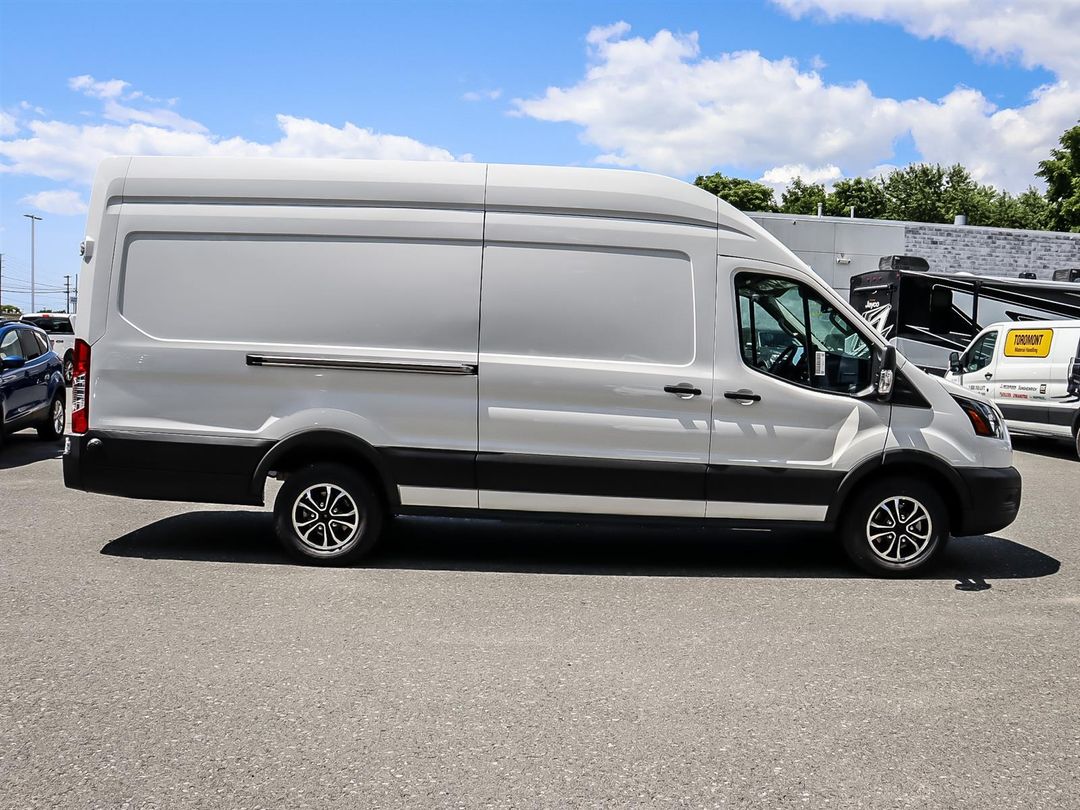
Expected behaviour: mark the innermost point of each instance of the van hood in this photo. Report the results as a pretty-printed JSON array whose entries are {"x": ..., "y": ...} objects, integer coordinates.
[
  {"x": 967, "y": 393},
  {"x": 950, "y": 388}
]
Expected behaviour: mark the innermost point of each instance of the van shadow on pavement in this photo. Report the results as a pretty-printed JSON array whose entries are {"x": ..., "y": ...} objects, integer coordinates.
[
  {"x": 1044, "y": 446},
  {"x": 20, "y": 449},
  {"x": 543, "y": 548}
]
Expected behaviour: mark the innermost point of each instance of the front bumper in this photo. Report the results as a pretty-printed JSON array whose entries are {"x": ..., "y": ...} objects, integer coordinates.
[{"x": 992, "y": 502}]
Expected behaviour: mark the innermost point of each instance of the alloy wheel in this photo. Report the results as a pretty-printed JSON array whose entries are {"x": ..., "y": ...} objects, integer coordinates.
[
  {"x": 58, "y": 417},
  {"x": 899, "y": 529},
  {"x": 325, "y": 518}
]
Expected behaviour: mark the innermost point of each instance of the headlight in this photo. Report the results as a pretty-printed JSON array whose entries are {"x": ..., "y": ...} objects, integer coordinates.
[{"x": 983, "y": 416}]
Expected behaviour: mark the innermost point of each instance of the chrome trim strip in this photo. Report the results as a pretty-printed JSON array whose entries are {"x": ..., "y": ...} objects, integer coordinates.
[
  {"x": 589, "y": 504},
  {"x": 742, "y": 510},
  {"x": 296, "y": 361},
  {"x": 438, "y": 496}
]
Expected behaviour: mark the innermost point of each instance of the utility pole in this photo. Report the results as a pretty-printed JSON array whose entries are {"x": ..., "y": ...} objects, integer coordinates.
[
  {"x": 1, "y": 285},
  {"x": 33, "y": 221},
  {"x": 67, "y": 293}
]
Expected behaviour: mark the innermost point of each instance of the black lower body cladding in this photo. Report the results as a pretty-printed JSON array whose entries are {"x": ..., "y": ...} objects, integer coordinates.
[
  {"x": 173, "y": 468},
  {"x": 230, "y": 471}
]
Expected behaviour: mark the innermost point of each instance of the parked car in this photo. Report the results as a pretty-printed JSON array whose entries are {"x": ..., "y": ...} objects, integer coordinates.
[
  {"x": 61, "y": 332},
  {"x": 461, "y": 339},
  {"x": 31, "y": 383},
  {"x": 1031, "y": 371}
]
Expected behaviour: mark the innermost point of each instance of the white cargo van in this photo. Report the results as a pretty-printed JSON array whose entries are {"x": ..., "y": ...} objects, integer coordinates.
[
  {"x": 1031, "y": 370},
  {"x": 462, "y": 339}
]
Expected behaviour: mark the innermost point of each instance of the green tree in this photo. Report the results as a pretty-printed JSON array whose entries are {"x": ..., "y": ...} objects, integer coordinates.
[
  {"x": 801, "y": 197},
  {"x": 1029, "y": 210},
  {"x": 914, "y": 193},
  {"x": 867, "y": 195},
  {"x": 925, "y": 192},
  {"x": 1061, "y": 171},
  {"x": 746, "y": 195},
  {"x": 10, "y": 309},
  {"x": 963, "y": 195}
]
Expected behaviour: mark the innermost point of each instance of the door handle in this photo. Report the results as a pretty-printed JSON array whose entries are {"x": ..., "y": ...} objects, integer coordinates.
[
  {"x": 683, "y": 390},
  {"x": 743, "y": 397},
  {"x": 988, "y": 375}
]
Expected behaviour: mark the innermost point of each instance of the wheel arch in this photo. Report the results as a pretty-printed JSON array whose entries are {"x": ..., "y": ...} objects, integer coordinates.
[
  {"x": 325, "y": 445},
  {"x": 914, "y": 463}
]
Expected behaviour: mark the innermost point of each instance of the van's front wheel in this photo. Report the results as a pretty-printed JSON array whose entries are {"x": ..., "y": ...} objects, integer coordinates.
[
  {"x": 327, "y": 514},
  {"x": 894, "y": 526}
]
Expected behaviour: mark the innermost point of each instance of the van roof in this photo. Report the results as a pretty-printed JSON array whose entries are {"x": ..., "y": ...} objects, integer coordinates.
[
  {"x": 1062, "y": 324},
  {"x": 497, "y": 187}
]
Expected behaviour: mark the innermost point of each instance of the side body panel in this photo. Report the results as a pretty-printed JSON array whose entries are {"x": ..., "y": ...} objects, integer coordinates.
[
  {"x": 208, "y": 298},
  {"x": 783, "y": 456},
  {"x": 943, "y": 430},
  {"x": 584, "y": 322}
]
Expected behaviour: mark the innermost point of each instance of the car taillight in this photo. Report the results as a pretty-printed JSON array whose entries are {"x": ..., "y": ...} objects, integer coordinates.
[{"x": 80, "y": 387}]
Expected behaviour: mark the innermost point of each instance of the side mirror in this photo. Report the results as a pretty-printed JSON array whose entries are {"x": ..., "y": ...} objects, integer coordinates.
[
  {"x": 885, "y": 373},
  {"x": 954, "y": 363},
  {"x": 13, "y": 362}
]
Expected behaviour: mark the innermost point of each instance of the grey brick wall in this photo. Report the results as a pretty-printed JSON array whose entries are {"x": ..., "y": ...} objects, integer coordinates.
[{"x": 993, "y": 251}]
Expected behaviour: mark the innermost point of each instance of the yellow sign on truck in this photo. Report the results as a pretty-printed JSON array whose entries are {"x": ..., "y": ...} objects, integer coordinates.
[{"x": 1028, "y": 342}]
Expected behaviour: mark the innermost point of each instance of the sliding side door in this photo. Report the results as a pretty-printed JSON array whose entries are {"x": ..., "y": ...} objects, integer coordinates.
[{"x": 595, "y": 375}]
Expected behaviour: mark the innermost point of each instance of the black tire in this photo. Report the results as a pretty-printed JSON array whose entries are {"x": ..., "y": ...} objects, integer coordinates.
[
  {"x": 55, "y": 420},
  {"x": 914, "y": 546},
  {"x": 69, "y": 369},
  {"x": 317, "y": 492}
]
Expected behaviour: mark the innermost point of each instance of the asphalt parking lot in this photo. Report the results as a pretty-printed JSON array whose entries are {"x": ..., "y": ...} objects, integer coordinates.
[{"x": 164, "y": 655}]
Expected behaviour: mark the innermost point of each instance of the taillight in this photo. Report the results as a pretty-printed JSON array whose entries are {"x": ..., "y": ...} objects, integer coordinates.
[{"x": 80, "y": 387}]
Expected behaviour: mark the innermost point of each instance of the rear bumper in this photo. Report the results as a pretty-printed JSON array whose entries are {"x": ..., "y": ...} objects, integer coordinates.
[
  {"x": 993, "y": 499},
  {"x": 172, "y": 468}
]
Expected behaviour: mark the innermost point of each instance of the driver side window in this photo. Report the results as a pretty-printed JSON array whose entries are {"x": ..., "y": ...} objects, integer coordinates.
[
  {"x": 10, "y": 346},
  {"x": 980, "y": 354},
  {"x": 787, "y": 330}
]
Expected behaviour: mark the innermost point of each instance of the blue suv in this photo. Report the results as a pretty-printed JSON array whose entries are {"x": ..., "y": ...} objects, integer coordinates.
[{"x": 31, "y": 383}]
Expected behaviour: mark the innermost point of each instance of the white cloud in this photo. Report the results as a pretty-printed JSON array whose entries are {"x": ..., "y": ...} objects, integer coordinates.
[
  {"x": 778, "y": 177},
  {"x": 8, "y": 124},
  {"x": 64, "y": 202},
  {"x": 659, "y": 104},
  {"x": 70, "y": 152},
  {"x": 167, "y": 119},
  {"x": 602, "y": 33},
  {"x": 482, "y": 95},
  {"x": 89, "y": 86},
  {"x": 1038, "y": 32}
]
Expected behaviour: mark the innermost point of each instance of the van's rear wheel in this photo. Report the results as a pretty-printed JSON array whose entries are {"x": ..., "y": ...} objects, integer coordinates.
[
  {"x": 327, "y": 514},
  {"x": 894, "y": 526}
]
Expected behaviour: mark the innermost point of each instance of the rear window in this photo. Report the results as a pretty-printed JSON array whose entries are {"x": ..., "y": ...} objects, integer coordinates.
[
  {"x": 31, "y": 346},
  {"x": 55, "y": 326}
]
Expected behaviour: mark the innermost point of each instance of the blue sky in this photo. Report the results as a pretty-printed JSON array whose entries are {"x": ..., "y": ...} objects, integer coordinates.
[{"x": 765, "y": 89}]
